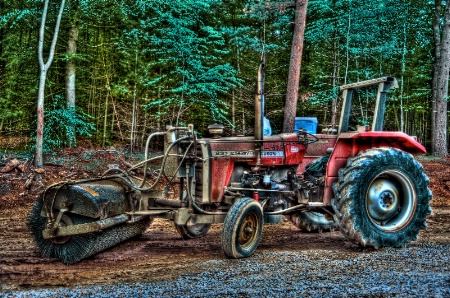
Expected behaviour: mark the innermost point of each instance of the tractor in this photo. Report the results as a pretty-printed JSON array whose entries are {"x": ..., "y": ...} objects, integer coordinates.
[{"x": 366, "y": 183}]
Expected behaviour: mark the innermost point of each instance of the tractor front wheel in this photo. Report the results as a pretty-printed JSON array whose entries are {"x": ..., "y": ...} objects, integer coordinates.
[
  {"x": 382, "y": 198},
  {"x": 242, "y": 228}
]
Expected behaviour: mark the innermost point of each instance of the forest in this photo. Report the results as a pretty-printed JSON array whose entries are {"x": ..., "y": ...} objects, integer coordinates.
[{"x": 120, "y": 69}]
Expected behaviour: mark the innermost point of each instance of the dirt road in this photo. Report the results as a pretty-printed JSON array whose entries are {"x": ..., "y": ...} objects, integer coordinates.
[{"x": 159, "y": 254}]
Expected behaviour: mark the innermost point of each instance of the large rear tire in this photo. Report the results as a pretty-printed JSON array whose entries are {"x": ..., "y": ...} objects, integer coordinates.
[
  {"x": 72, "y": 249},
  {"x": 194, "y": 231},
  {"x": 382, "y": 198},
  {"x": 242, "y": 228}
]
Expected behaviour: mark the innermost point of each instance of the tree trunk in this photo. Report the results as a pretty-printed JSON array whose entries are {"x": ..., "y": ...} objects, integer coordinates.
[
  {"x": 290, "y": 109},
  {"x": 440, "y": 81},
  {"x": 39, "y": 161},
  {"x": 2, "y": 32},
  {"x": 402, "y": 79},
  {"x": 333, "y": 84},
  {"x": 105, "y": 120},
  {"x": 2, "y": 64},
  {"x": 133, "y": 114},
  {"x": 70, "y": 83}
]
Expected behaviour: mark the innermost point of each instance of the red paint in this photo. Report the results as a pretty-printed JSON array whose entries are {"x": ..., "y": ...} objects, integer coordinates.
[
  {"x": 351, "y": 143},
  {"x": 256, "y": 196},
  {"x": 278, "y": 150},
  {"x": 285, "y": 150},
  {"x": 293, "y": 150},
  {"x": 221, "y": 170}
]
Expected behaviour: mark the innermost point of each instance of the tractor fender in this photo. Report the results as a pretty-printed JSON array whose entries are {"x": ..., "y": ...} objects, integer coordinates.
[
  {"x": 349, "y": 144},
  {"x": 101, "y": 199}
]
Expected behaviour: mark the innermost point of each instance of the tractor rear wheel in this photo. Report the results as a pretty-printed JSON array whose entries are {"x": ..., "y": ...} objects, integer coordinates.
[
  {"x": 382, "y": 198},
  {"x": 193, "y": 231},
  {"x": 312, "y": 222},
  {"x": 242, "y": 228}
]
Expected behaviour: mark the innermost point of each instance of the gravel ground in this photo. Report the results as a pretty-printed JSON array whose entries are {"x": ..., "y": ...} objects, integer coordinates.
[{"x": 420, "y": 270}]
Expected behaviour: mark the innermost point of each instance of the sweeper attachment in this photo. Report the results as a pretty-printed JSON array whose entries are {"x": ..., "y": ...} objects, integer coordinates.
[{"x": 366, "y": 183}]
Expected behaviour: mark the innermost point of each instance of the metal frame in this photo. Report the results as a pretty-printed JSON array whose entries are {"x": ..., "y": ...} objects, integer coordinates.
[{"x": 384, "y": 85}]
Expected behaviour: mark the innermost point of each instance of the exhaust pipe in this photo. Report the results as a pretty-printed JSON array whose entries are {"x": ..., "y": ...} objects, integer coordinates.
[
  {"x": 259, "y": 103},
  {"x": 259, "y": 111}
]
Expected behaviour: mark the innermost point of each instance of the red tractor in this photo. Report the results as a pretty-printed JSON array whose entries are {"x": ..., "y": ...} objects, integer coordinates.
[{"x": 365, "y": 182}]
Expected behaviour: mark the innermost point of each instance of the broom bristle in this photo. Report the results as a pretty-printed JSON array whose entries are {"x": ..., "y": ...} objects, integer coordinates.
[{"x": 79, "y": 247}]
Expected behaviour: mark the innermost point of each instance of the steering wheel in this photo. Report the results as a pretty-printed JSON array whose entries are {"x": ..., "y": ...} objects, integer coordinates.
[{"x": 309, "y": 138}]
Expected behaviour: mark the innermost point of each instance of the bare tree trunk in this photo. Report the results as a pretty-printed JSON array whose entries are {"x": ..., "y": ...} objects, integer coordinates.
[
  {"x": 133, "y": 114},
  {"x": 440, "y": 81},
  {"x": 39, "y": 161},
  {"x": 105, "y": 119},
  {"x": 290, "y": 108},
  {"x": 402, "y": 80},
  {"x": 2, "y": 62},
  {"x": 233, "y": 112},
  {"x": 70, "y": 82},
  {"x": 334, "y": 80},
  {"x": 347, "y": 52}
]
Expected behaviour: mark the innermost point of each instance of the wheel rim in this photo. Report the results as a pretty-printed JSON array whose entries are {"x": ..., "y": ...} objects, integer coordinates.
[
  {"x": 391, "y": 201},
  {"x": 248, "y": 231}
]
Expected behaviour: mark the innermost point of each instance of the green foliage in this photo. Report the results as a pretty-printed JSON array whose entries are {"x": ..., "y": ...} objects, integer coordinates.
[
  {"x": 194, "y": 61},
  {"x": 189, "y": 66},
  {"x": 59, "y": 122}
]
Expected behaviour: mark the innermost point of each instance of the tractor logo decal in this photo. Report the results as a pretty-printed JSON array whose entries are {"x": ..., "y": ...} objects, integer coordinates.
[
  {"x": 233, "y": 153},
  {"x": 272, "y": 154},
  {"x": 247, "y": 153}
]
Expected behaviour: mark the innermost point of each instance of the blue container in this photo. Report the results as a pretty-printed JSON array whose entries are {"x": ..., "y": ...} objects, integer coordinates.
[{"x": 308, "y": 123}]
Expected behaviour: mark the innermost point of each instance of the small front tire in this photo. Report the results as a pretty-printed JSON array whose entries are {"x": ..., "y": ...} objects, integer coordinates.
[{"x": 242, "y": 228}]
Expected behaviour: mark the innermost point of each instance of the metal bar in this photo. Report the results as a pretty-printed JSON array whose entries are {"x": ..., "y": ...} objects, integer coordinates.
[
  {"x": 367, "y": 83},
  {"x": 206, "y": 218},
  {"x": 248, "y": 141},
  {"x": 258, "y": 189},
  {"x": 85, "y": 228},
  {"x": 171, "y": 203},
  {"x": 153, "y": 211},
  {"x": 380, "y": 106},
  {"x": 345, "y": 113}
]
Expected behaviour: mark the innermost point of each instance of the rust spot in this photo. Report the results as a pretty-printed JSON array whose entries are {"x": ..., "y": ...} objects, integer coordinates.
[{"x": 89, "y": 190}]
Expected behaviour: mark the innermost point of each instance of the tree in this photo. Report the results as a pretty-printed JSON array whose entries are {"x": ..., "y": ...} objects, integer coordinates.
[
  {"x": 188, "y": 45},
  {"x": 70, "y": 74},
  {"x": 290, "y": 108},
  {"x": 44, "y": 66},
  {"x": 182, "y": 49},
  {"x": 439, "y": 118}
]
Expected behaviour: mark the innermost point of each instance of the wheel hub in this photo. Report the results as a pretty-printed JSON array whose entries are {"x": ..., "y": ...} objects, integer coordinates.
[
  {"x": 383, "y": 200},
  {"x": 390, "y": 201},
  {"x": 248, "y": 230}
]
